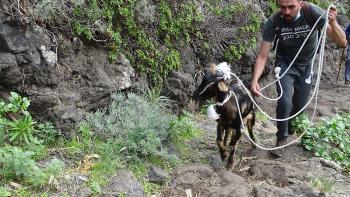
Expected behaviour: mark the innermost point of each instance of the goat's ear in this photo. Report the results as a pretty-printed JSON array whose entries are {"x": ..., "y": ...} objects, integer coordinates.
[
  {"x": 212, "y": 69},
  {"x": 222, "y": 86}
]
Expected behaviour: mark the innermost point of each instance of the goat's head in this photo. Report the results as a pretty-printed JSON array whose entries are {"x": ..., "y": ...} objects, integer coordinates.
[{"x": 213, "y": 82}]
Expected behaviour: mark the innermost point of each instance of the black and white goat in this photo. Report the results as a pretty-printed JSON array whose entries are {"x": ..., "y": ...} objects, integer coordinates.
[{"x": 214, "y": 85}]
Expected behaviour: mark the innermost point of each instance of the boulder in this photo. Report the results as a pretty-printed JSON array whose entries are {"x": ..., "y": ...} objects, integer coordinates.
[{"x": 123, "y": 183}]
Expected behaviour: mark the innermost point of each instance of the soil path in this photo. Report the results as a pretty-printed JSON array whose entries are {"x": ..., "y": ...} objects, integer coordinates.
[{"x": 256, "y": 172}]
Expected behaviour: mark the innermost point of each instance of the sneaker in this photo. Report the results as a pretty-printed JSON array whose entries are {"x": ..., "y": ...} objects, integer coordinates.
[
  {"x": 278, "y": 152},
  {"x": 347, "y": 82}
]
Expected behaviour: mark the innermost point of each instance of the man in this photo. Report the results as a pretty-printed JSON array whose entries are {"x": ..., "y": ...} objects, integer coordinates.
[
  {"x": 347, "y": 64},
  {"x": 293, "y": 29}
]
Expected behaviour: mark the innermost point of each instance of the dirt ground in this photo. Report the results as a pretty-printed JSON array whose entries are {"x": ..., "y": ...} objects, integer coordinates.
[{"x": 281, "y": 174}]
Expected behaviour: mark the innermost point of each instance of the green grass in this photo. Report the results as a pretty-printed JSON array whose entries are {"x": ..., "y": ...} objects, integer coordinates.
[
  {"x": 261, "y": 117},
  {"x": 322, "y": 184},
  {"x": 134, "y": 133}
]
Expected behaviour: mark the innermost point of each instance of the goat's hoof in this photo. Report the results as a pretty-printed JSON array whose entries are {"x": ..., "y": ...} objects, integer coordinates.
[{"x": 229, "y": 165}]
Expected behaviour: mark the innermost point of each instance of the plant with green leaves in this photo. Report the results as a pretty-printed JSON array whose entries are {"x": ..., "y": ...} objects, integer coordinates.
[
  {"x": 154, "y": 97},
  {"x": 322, "y": 3},
  {"x": 348, "y": 9},
  {"x": 135, "y": 122},
  {"x": 183, "y": 128},
  {"x": 272, "y": 6},
  {"x": 17, "y": 126},
  {"x": 135, "y": 130},
  {"x": 16, "y": 164},
  {"x": 22, "y": 130},
  {"x": 247, "y": 24},
  {"x": 46, "y": 132},
  {"x": 111, "y": 159},
  {"x": 330, "y": 139},
  {"x": 16, "y": 103},
  {"x": 16, "y": 122},
  {"x": 153, "y": 53},
  {"x": 5, "y": 192}
]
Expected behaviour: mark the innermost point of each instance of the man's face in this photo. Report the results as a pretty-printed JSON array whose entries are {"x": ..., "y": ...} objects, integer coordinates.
[{"x": 289, "y": 8}]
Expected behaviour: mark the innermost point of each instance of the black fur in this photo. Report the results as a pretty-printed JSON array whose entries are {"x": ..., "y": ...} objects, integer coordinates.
[{"x": 229, "y": 123}]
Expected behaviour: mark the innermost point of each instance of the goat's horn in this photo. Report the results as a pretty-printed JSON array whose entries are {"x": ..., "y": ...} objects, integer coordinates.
[
  {"x": 222, "y": 86},
  {"x": 212, "y": 69}
]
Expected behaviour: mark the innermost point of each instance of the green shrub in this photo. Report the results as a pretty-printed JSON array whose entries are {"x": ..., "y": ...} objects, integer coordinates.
[
  {"x": 330, "y": 139},
  {"x": 154, "y": 97},
  {"x": 272, "y": 6},
  {"x": 54, "y": 169},
  {"x": 15, "y": 121},
  {"x": 123, "y": 25},
  {"x": 17, "y": 165},
  {"x": 322, "y": 3},
  {"x": 17, "y": 126},
  {"x": 134, "y": 132},
  {"x": 183, "y": 128},
  {"x": 4, "y": 192},
  {"x": 134, "y": 123},
  {"x": 21, "y": 130},
  {"x": 46, "y": 132},
  {"x": 139, "y": 126},
  {"x": 40, "y": 151},
  {"x": 150, "y": 33},
  {"x": 247, "y": 24}
]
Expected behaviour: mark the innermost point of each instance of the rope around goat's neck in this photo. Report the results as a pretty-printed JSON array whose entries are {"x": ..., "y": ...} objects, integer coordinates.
[{"x": 228, "y": 96}]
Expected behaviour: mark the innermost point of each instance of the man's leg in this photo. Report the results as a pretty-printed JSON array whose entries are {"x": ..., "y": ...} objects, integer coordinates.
[
  {"x": 301, "y": 92},
  {"x": 284, "y": 105},
  {"x": 347, "y": 66}
]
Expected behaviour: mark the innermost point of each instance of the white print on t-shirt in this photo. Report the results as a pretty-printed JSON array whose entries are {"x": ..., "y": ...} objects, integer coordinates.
[{"x": 295, "y": 33}]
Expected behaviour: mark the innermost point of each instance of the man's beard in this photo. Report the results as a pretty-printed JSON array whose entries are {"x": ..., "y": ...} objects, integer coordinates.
[{"x": 288, "y": 18}]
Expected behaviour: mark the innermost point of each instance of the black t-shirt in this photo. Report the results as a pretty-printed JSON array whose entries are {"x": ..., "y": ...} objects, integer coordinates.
[{"x": 293, "y": 34}]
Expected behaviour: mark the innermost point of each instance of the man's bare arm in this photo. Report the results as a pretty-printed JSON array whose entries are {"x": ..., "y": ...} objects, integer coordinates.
[
  {"x": 260, "y": 65},
  {"x": 334, "y": 31}
]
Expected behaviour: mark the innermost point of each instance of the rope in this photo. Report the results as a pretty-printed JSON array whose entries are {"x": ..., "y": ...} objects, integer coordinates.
[
  {"x": 302, "y": 109},
  {"x": 226, "y": 99},
  {"x": 302, "y": 46},
  {"x": 200, "y": 72},
  {"x": 290, "y": 65}
]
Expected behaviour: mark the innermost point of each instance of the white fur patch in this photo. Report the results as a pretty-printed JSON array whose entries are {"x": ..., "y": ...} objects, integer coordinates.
[{"x": 224, "y": 68}]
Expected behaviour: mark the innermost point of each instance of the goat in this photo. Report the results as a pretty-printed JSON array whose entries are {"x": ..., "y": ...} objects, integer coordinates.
[{"x": 214, "y": 85}]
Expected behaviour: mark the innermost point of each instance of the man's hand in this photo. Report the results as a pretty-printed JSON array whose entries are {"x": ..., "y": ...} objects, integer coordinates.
[
  {"x": 255, "y": 88},
  {"x": 334, "y": 31},
  {"x": 332, "y": 16}
]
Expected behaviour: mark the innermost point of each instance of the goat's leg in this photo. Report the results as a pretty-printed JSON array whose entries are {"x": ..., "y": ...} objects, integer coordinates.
[
  {"x": 220, "y": 141},
  {"x": 250, "y": 124},
  {"x": 233, "y": 143},
  {"x": 228, "y": 136}
]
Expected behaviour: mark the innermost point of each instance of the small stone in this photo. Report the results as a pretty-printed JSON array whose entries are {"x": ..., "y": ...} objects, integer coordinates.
[{"x": 157, "y": 175}]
